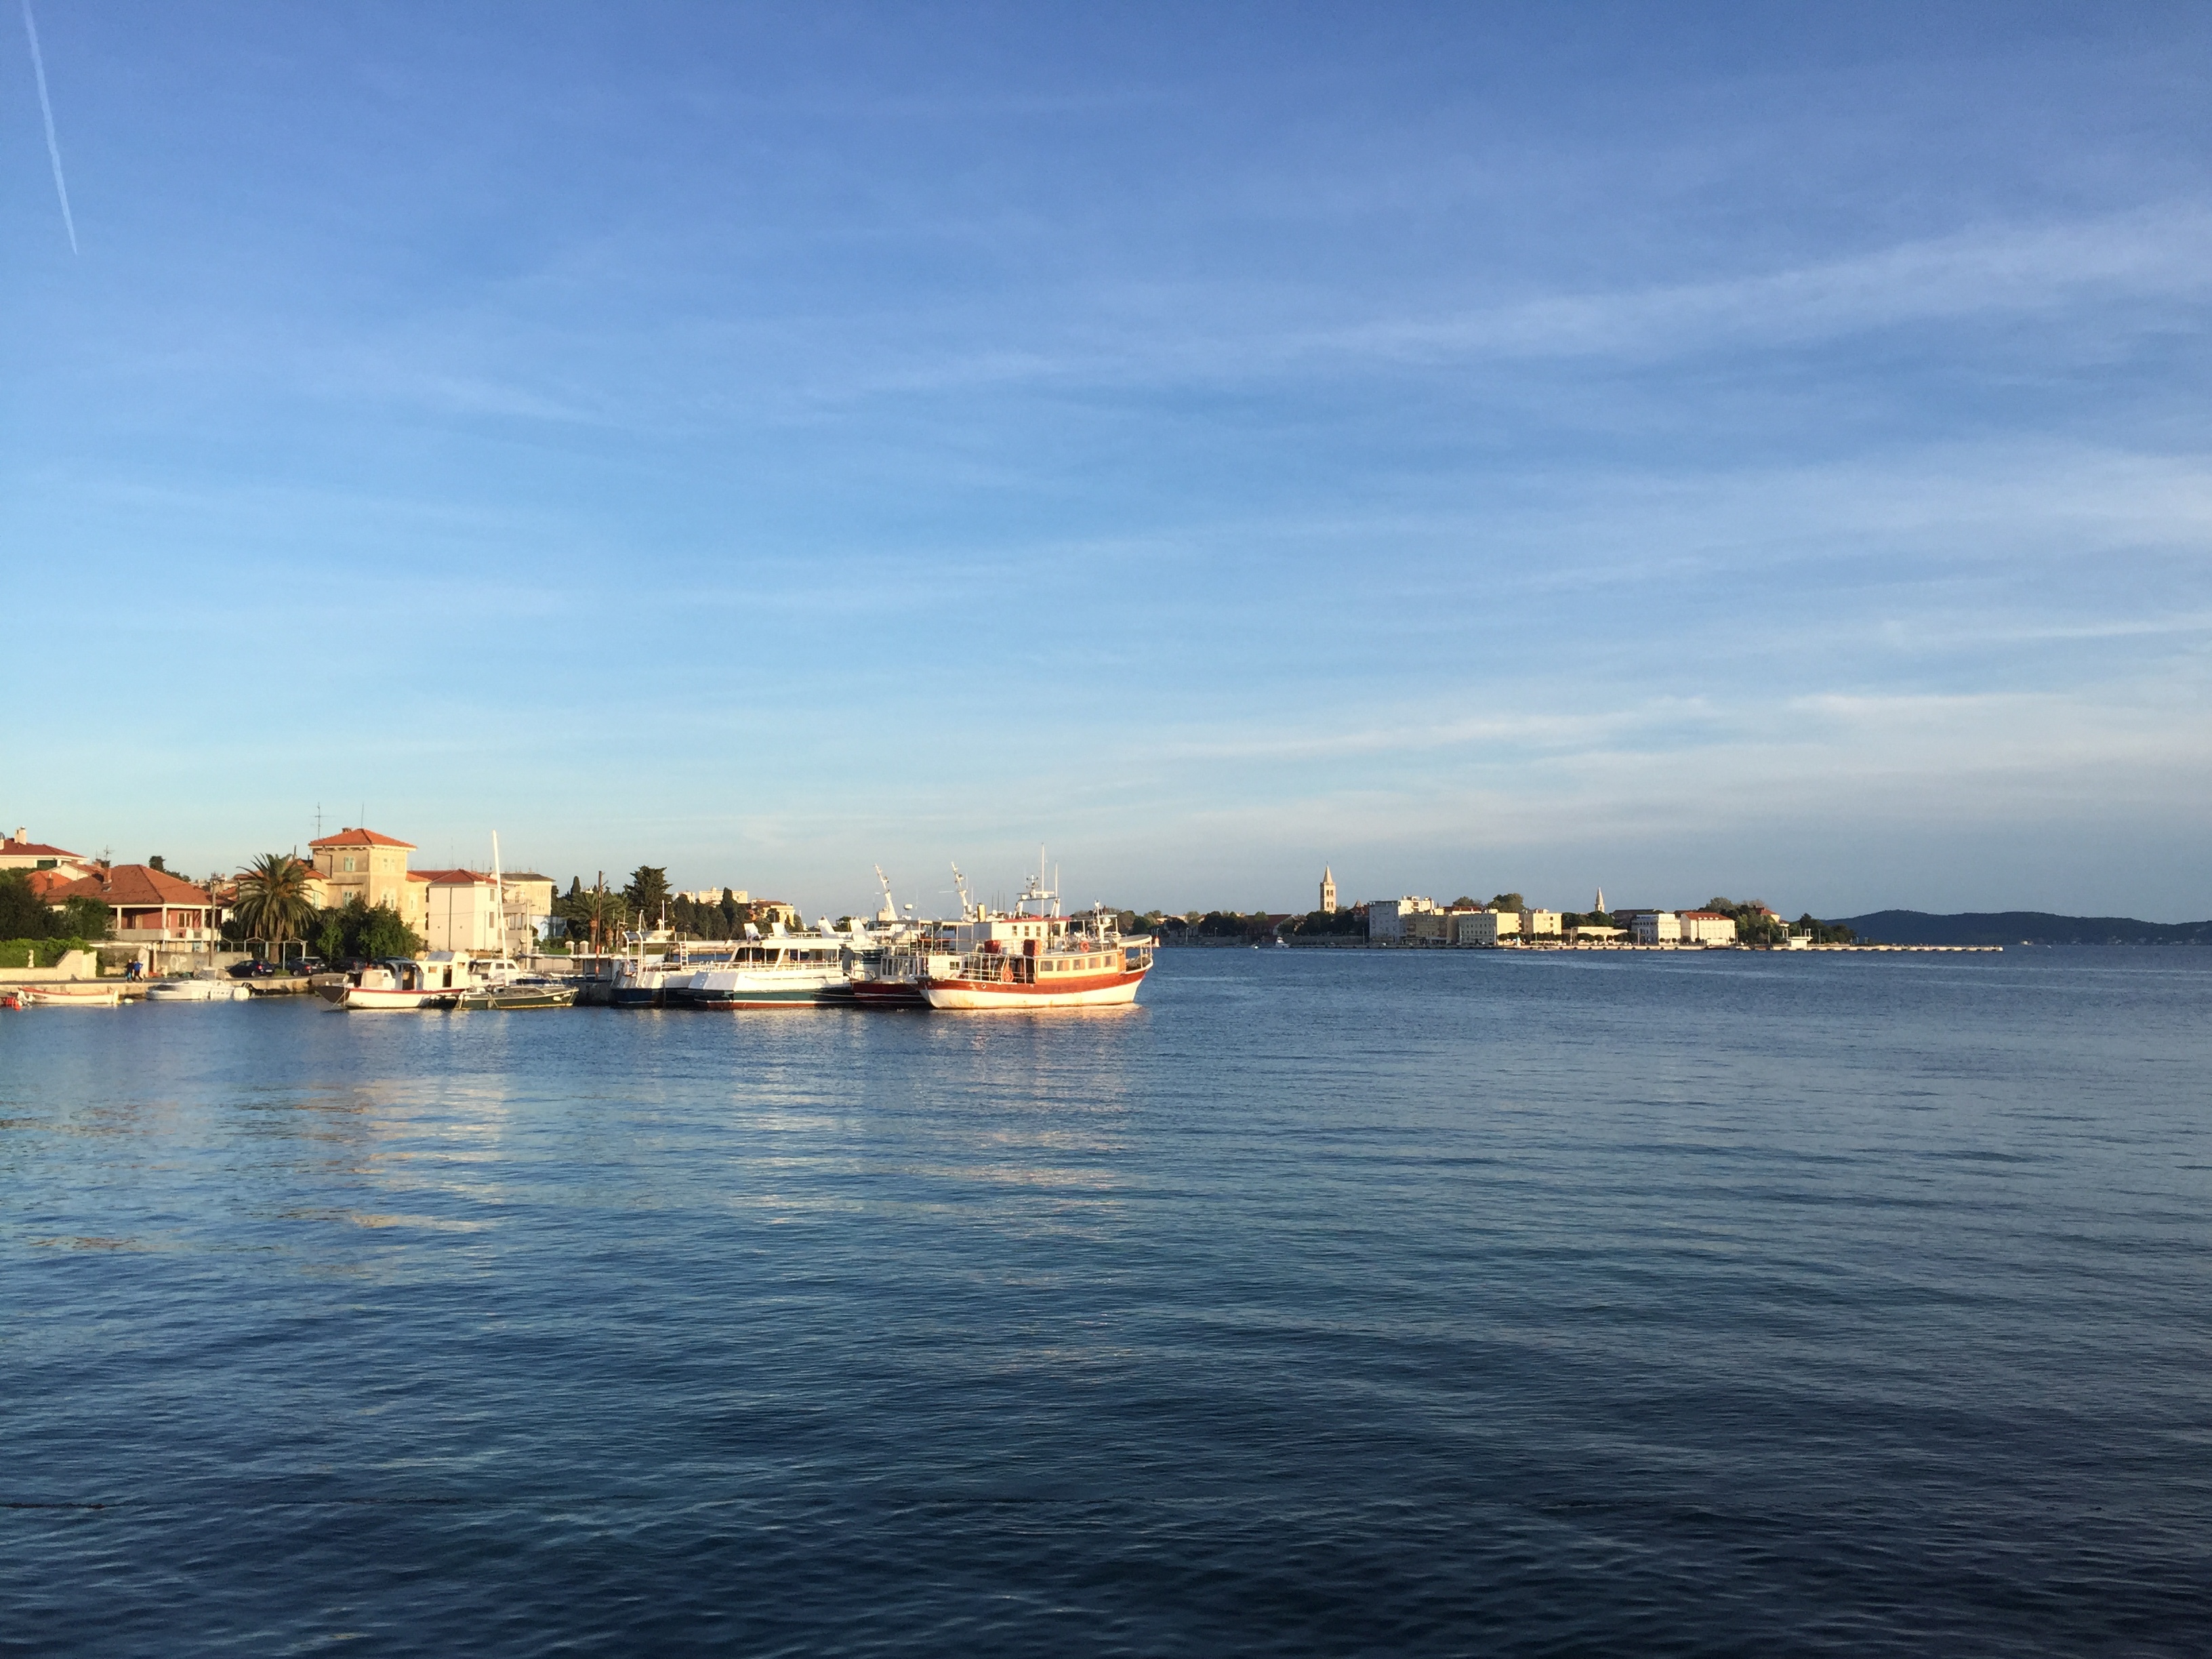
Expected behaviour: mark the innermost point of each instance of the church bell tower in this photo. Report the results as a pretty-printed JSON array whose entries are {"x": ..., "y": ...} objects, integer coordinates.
[{"x": 1327, "y": 891}]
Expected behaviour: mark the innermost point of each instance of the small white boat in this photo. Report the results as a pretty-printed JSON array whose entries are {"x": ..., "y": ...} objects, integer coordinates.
[
  {"x": 67, "y": 996},
  {"x": 200, "y": 987}
]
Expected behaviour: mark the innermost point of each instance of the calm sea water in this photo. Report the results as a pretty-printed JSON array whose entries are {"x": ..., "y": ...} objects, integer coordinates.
[{"x": 1326, "y": 1303}]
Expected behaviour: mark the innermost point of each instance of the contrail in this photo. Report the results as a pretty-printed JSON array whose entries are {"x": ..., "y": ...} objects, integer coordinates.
[{"x": 53, "y": 145}]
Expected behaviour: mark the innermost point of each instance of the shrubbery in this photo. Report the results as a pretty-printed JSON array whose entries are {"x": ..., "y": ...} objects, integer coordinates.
[
  {"x": 25, "y": 915},
  {"x": 38, "y": 952}
]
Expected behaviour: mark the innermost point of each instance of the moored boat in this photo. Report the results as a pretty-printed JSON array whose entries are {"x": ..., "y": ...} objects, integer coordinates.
[
  {"x": 1038, "y": 959},
  {"x": 781, "y": 970},
  {"x": 66, "y": 996},
  {"x": 402, "y": 984},
  {"x": 200, "y": 987}
]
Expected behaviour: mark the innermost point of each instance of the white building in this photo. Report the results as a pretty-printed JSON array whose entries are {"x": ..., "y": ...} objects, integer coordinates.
[
  {"x": 1540, "y": 924},
  {"x": 463, "y": 912},
  {"x": 1655, "y": 927},
  {"x": 1707, "y": 928},
  {"x": 1485, "y": 927},
  {"x": 1387, "y": 918},
  {"x": 714, "y": 895},
  {"x": 1327, "y": 891}
]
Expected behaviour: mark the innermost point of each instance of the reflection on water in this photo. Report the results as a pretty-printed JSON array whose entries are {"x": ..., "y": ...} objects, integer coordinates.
[{"x": 1323, "y": 1303}]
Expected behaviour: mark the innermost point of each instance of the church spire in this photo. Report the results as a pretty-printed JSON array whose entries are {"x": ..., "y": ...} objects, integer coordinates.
[{"x": 1327, "y": 890}]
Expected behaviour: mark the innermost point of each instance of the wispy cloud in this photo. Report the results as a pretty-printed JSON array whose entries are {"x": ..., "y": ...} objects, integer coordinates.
[
  {"x": 1994, "y": 272},
  {"x": 47, "y": 107}
]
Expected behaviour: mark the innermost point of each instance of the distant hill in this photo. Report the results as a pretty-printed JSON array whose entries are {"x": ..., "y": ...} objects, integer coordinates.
[{"x": 2022, "y": 928}]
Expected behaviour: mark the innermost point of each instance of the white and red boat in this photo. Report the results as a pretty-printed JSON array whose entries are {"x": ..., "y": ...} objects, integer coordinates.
[
  {"x": 1036, "y": 958},
  {"x": 404, "y": 983},
  {"x": 65, "y": 996}
]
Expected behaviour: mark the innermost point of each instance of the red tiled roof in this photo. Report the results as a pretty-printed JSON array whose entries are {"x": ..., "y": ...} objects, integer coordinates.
[
  {"x": 361, "y": 838},
  {"x": 136, "y": 885},
  {"x": 25, "y": 849},
  {"x": 449, "y": 878},
  {"x": 43, "y": 882}
]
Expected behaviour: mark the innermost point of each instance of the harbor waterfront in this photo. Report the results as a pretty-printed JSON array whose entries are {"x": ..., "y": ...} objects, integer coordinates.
[{"x": 1322, "y": 1302}]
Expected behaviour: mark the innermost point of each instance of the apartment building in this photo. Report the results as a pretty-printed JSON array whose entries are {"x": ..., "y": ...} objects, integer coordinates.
[
  {"x": 1707, "y": 928},
  {"x": 372, "y": 868}
]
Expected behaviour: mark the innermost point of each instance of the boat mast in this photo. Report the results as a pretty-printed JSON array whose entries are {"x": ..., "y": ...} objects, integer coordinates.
[{"x": 498, "y": 895}]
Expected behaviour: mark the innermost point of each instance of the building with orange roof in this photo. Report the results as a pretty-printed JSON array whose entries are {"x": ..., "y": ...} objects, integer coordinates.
[
  {"x": 19, "y": 852},
  {"x": 372, "y": 868},
  {"x": 170, "y": 920}
]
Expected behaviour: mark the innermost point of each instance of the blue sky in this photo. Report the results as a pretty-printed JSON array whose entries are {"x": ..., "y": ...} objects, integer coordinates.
[{"x": 1682, "y": 450}]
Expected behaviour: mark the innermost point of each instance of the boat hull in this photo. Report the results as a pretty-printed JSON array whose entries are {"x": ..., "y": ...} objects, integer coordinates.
[
  {"x": 824, "y": 996},
  {"x": 889, "y": 994},
  {"x": 358, "y": 1000}
]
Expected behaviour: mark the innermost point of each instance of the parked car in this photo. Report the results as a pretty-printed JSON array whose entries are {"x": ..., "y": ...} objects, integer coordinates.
[{"x": 254, "y": 971}]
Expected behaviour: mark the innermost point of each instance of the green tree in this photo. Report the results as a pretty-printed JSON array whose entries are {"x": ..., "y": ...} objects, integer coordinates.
[
  {"x": 84, "y": 918},
  {"x": 356, "y": 930},
  {"x": 386, "y": 935},
  {"x": 1509, "y": 901},
  {"x": 272, "y": 903},
  {"x": 600, "y": 916},
  {"x": 23, "y": 914},
  {"x": 647, "y": 892}
]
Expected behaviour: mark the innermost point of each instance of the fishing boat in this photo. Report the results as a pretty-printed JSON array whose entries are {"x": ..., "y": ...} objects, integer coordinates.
[
  {"x": 402, "y": 984},
  {"x": 66, "y": 996},
  {"x": 1035, "y": 957}
]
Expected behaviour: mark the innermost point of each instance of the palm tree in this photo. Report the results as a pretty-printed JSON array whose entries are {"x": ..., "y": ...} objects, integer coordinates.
[
  {"x": 604, "y": 913},
  {"x": 272, "y": 901}
]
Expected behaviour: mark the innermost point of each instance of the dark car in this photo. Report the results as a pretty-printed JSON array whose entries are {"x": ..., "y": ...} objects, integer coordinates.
[{"x": 254, "y": 971}]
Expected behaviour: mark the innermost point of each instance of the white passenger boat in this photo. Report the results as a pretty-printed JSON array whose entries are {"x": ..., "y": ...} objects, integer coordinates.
[
  {"x": 1038, "y": 958},
  {"x": 779, "y": 970}
]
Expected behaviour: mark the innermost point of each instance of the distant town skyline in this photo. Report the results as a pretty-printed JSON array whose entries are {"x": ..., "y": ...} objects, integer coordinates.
[{"x": 1741, "y": 451}]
